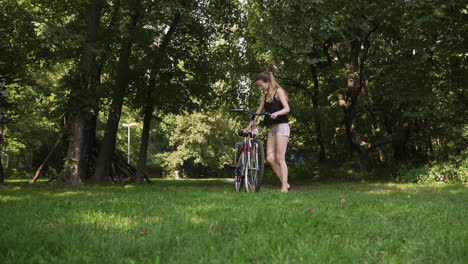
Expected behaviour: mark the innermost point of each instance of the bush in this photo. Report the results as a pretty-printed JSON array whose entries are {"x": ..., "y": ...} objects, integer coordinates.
[
  {"x": 198, "y": 141},
  {"x": 15, "y": 174},
  {"x": 300, "y": 167},
  {"x": 311, "y": 170},
  {"x": 453, "y": 171}
]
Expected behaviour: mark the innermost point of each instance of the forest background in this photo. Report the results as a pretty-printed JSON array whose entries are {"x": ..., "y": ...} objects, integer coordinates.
[{"x": 378, "y": 89}]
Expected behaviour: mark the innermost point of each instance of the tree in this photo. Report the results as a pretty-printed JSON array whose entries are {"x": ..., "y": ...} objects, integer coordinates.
[
  {"x": 342, "y": 46},
  {"x": 80, "y": 118},
  {"x": 371, "y": 84},
  {"x": 293, "y": 35},
  {"x": 19, "y": 54},
  {"x": 183, "y": 66},
  {"x": 122, "y": 80},
  {"x": 198, "y": 139},
  {"x": 2, "y": 112},
  {"x": 148, "y": 108}
]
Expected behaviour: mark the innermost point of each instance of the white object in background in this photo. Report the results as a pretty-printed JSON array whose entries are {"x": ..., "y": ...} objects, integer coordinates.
[{"x": 128, "y": 141}]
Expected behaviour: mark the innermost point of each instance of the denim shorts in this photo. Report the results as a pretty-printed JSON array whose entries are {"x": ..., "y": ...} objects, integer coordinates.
[{"x": 279, "y": 130}]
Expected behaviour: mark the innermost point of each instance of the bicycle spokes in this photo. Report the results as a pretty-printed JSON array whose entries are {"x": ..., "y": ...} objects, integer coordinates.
[
  {"x": 251, "y": 154},
  {"x": 252, "y": 168}
]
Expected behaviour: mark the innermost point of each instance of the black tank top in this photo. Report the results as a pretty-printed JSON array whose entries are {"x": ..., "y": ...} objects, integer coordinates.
[{"x": 272, "y": 107}]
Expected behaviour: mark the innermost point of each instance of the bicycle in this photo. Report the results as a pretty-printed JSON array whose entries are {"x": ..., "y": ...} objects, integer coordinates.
[{"x": 249, "y": 158}]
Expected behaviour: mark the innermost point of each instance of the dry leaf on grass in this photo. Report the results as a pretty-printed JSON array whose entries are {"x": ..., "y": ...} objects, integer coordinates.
[{"x": 214, "y": 224}]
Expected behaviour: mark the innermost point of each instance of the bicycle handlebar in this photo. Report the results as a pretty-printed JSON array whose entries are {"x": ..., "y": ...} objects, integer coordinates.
[{"x": 241, "y": 110}]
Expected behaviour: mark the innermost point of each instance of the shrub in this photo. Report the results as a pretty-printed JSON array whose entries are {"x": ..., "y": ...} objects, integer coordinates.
[
  {"x": 453, "y": 171},
  {"x": 15, "y": 174}
]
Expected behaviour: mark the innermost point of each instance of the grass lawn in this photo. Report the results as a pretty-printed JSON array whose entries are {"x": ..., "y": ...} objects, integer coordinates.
[{"x": 205, "y": 221}]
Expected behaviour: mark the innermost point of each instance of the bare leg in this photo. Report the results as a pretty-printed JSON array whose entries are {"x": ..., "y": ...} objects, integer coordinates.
[
  {"x": 281, "y": 146},
  {"x": 271, "y": 156}
]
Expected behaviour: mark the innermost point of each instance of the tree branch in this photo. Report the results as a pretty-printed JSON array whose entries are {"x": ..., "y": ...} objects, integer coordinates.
[{"x": 390, "y": 139}]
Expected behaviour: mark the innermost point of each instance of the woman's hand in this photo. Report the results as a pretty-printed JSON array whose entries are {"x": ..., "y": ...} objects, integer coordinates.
[
  {"x": 273, "y": 116},
  {"x": 248, "y": 127}
]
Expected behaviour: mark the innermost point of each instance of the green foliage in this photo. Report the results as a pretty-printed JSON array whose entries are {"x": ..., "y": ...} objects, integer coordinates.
[
  {"x": 157, "y": 140},
  {"x": 16, "y": 174},
  {"x": 32, "y": 122},
  {"x": 18, "y": 46},
  {"x": 199, "y": 138},
  {"x": 412, "y": 69},
  {"x": 453, "y": 171},
  {"x": 415, "y": 77}
]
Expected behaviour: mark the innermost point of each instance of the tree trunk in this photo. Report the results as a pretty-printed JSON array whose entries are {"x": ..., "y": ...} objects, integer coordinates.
[
  {"x": 359, "y": 148},
  {"x": 141, "y": 166},
  {"x": 104, "y": 162},
  {"x": 2, "y": 111},
  {"x": 348, "y": 103},
  {"x": 2, "y": 176},
  {"x": 103, "y": 165},
  {"x": 76, "y": 154},
  {"x": 317, "y": 120},
  {"x": 90, "y": 144},
  {"x": 74, "y": 162},
  {"x": 400, "y": 150},
  {"x": 91, "y": 141}
]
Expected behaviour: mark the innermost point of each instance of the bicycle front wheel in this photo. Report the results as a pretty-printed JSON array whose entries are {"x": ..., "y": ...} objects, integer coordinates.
[{"x": 255, "y": 166}]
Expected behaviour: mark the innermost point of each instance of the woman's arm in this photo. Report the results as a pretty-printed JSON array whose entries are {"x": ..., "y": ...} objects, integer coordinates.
[
  {"x": 284, "y": 102},
  {"x": 259, "y": 110}
]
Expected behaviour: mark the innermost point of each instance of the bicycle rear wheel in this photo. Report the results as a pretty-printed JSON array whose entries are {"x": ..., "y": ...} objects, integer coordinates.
[
  {"x": 238, "y": 168},
  {"x": 255, "y": 167}
]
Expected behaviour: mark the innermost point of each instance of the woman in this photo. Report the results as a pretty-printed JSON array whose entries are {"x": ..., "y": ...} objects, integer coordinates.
[{"x": 275, "y": 101}]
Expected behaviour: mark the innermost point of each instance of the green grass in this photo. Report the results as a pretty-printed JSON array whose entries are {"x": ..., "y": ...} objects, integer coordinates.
[{"x": 204, "y": 221}]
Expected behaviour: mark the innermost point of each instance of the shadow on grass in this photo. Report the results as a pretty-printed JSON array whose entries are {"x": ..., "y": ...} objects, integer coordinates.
[
  {"x": 206, "y": 214},
  {"x": 217, "y": 184}
]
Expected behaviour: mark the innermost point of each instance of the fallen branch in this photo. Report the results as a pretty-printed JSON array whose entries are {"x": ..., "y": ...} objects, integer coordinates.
[{"x": 38, "y": 171}]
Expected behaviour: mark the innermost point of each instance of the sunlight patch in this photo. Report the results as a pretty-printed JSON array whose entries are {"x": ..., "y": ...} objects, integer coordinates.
[
  {"x": 381, "y": 191},
  {"x": 105, "y": 221},
  {"x": 66, "y": 194},
  {"x": 196, "y": 220},
  {"x": 14, "y": 198},
  {"x": 153, "y": 220}
]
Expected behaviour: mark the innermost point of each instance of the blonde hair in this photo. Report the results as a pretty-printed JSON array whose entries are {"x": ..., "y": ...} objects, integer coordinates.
[{"x": 269, "y": 78}]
